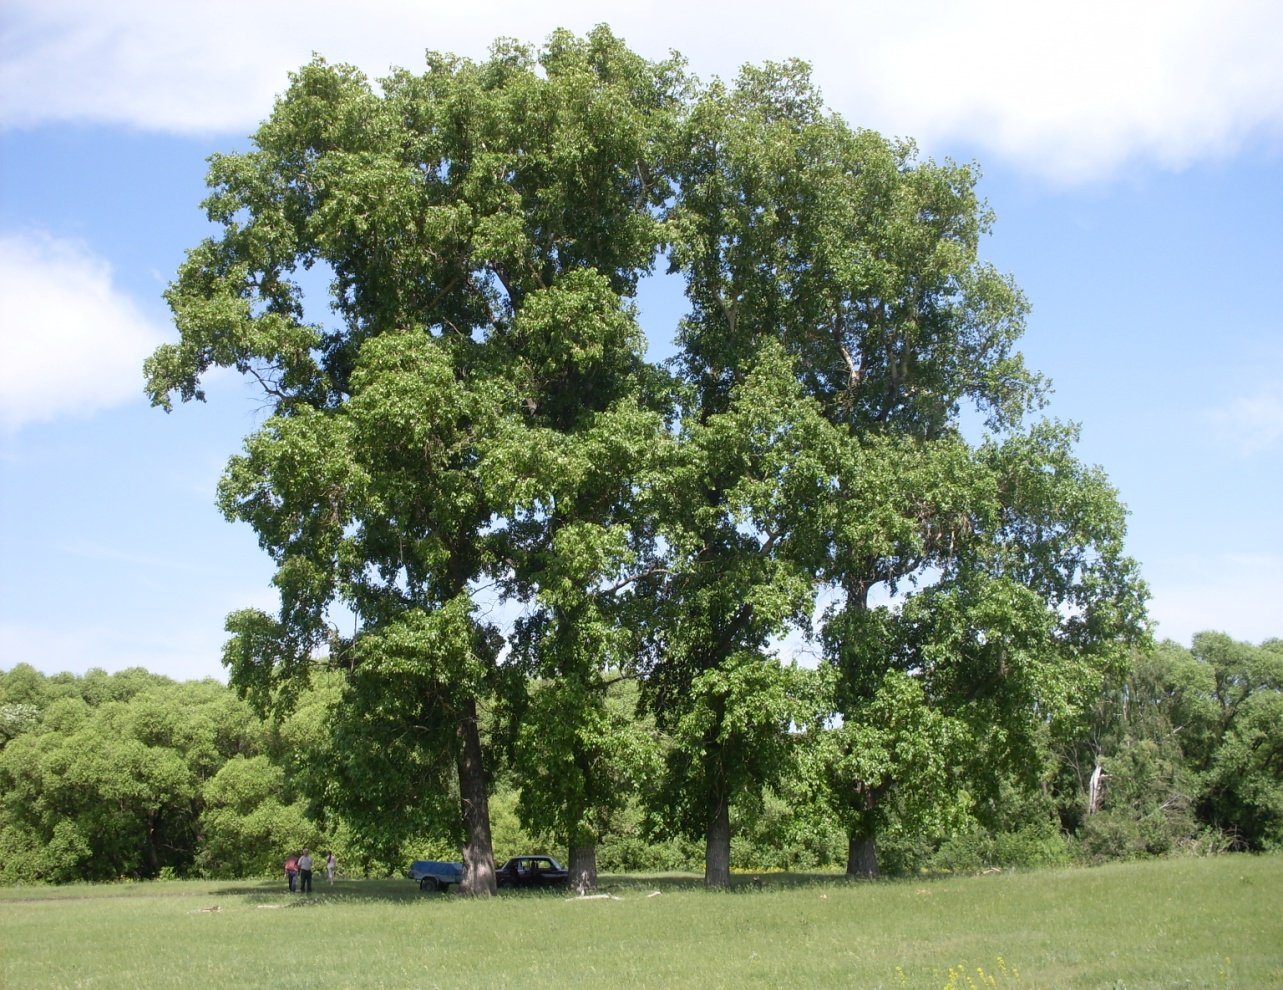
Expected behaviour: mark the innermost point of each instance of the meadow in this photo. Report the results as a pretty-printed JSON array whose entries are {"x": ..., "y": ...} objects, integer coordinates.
[{"x": 1195, "y": 922}]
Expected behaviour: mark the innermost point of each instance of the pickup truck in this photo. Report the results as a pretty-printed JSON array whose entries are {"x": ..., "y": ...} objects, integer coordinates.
[{"x": 435, "y": 875}]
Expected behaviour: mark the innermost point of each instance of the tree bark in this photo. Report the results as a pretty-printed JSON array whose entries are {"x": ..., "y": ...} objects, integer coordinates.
[
  {"x": 150, "y": 855},
  {"x": 862, "y": 856},
  {"x": 478, "y": 853},
  {"x": 717, "y": 846},
  {"x": 583, "y": 867}
]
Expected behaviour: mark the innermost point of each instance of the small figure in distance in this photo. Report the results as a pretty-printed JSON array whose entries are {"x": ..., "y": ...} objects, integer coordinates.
[
  {"x": 305, "y": 872},
  {"x": 331, "y": 864},
  {"x": 291, "y": 870}
]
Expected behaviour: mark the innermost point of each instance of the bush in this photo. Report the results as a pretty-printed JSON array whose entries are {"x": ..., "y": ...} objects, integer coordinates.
[
  {"x": 633, "y": 854},
  {"x": 776, "y": 835},
  {"x": 1111, "y": 835},
  {"x": 1037, "y": 844}
]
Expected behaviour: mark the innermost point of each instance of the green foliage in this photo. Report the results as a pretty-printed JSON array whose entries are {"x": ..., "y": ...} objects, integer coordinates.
[
  {"x": 227, "y": 795},
  {"x": 579, "y": 756},
  {"x": 15, "y": 719},
  {"x": 840, "y": 319},
  {"x": 1149, "y": 808},
  {"x": 463, "y": 425},
  {"x": 510, "y": 838},
  {"x": 112, "y": 788},
  {"x": 1033, "y": 846},
  {"x": 248, "y": 828},
  {"x": 483, "y": 224},
  {"x": 1243, "y": 792},
  {"x": 1187, "y": 746},
  {"x": 780, "y": 832}
]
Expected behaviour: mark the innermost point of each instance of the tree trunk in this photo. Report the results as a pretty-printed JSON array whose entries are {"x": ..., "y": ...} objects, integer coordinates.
[
  {"x": 150, "y": 857},
  {"x": 862, "y": 838},
  {"x": 583, "y": 841},
  {"x": 478, "y": 854},
  {"x": 583, "y": 867},
  {"x": 862, "y": 856},
  {"x": 717, "y": 848}
]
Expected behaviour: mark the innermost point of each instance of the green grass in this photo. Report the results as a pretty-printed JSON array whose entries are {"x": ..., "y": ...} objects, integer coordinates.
[{"x": 1177, "y": 923}]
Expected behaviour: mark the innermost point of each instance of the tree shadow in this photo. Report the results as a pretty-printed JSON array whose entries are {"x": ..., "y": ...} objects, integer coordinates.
[
  {"x": 740, "y": 882},
  {"x": 278, "y": 894},
  {"x": 394, "y": 890}
]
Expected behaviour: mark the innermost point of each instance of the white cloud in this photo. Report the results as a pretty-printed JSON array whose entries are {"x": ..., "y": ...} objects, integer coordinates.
[
  {"x": 1077, "y": 90},
  {"x": 1067, "y": 91},
  {"x": 71, "y": 343}
]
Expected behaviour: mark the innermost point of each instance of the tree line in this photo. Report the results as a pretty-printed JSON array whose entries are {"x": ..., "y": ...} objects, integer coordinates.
[
  {"x": 107, "y": 776},
  {"x": 485, "y": 505}
]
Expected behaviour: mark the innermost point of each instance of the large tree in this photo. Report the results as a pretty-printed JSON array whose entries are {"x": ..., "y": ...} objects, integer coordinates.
[
  {"x": 862, "y": 261},
  {"x": 1010, "y": 624},
  {"x": 465, "y": 219},
  {"x": 474, "y": 422},
  {"x": 737, "y": 514}
]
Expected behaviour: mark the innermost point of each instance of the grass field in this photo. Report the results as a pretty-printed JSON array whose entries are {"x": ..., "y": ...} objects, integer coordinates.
[{"x": 1178, "y": 923}]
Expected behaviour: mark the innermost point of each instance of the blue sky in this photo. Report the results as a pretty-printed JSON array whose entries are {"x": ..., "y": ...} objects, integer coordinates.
[{"x": 1133, "y": 154}]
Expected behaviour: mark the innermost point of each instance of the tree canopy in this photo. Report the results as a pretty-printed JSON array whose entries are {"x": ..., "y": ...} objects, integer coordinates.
[{"x": 463, "y": 424}]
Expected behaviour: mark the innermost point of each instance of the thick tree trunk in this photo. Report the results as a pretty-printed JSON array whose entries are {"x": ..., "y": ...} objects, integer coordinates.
[
  {"x": 717, "y": 847},
  {"x": 478, "y": 853},
  {"x": 862, "y": 856},
  {"x": 862, "y": 848},
  {"x": 583, "y": 842},
  {"x": 583, "y": 867}
]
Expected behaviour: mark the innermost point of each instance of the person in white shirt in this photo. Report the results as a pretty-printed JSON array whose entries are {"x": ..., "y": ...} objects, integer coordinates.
[{"x": 305, "y": 872}]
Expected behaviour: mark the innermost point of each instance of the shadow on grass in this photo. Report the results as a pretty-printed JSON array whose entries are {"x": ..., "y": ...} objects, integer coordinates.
[
  {"x": 407, "y": 891},
  {"x": 351, "y": 891},
  {"x": 275, "y": 891},
  {"x": 741, "y": 883}
]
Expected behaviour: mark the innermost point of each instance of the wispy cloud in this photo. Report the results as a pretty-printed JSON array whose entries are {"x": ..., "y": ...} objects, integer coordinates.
[
  {"x": 1233, "y": 593},
  {"x": 71, "y": 343},
  {"x": 1252, "y": 424},
  {"x": 1070, "y": 92},
  {"x": 78, "y": 648},
  {"x": 1242, "y": 413}
]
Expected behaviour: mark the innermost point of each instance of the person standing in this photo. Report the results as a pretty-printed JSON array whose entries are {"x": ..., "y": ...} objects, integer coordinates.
[
  {"x": 305, "y": 872},
  {"x": 331, "y": 864},
  {"x": 291, "y": 870}
]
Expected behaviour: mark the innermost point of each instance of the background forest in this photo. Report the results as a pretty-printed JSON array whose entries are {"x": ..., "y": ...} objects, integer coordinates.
[{"x": 109, "y": 776}]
